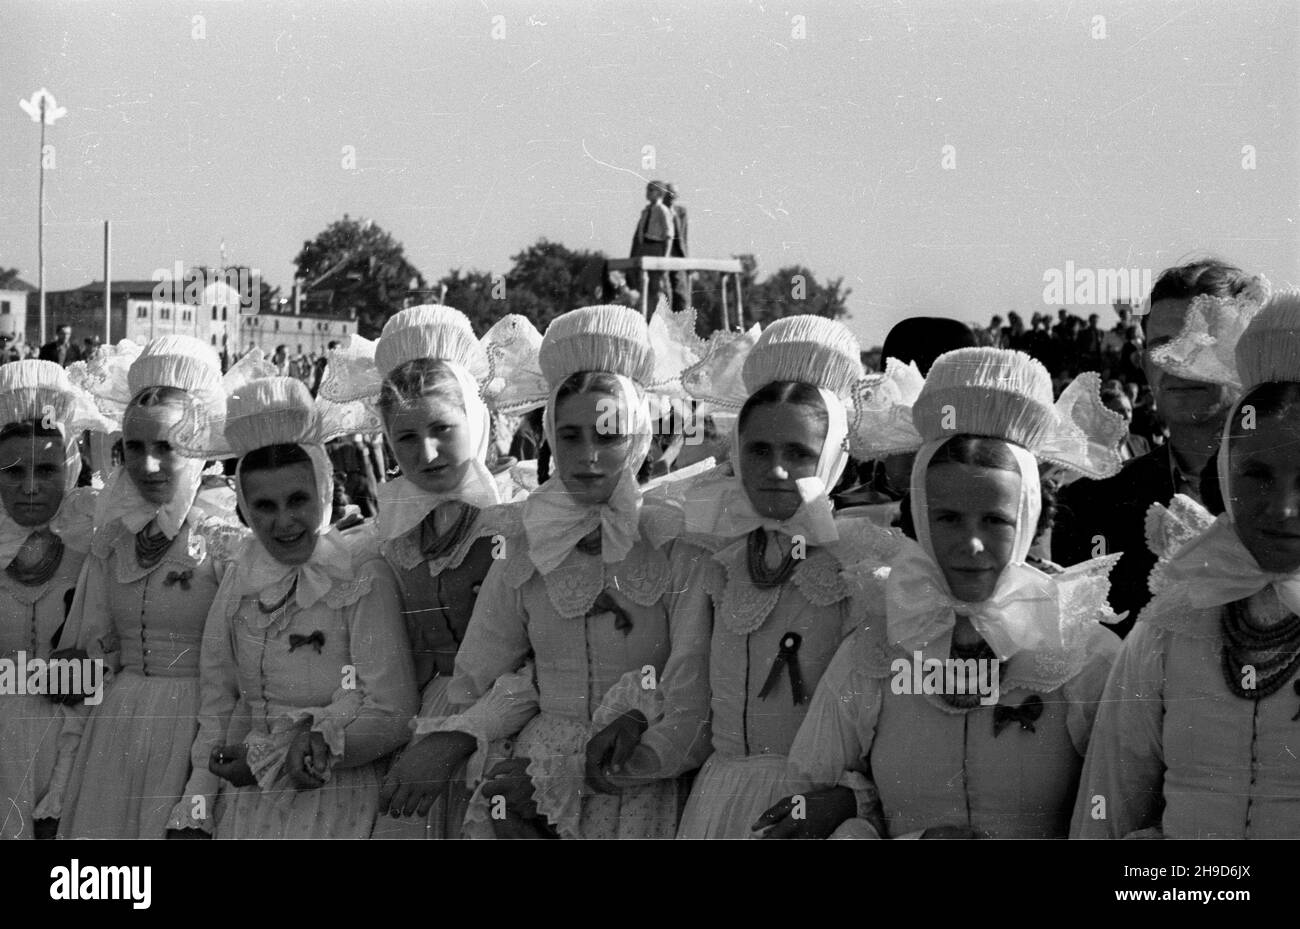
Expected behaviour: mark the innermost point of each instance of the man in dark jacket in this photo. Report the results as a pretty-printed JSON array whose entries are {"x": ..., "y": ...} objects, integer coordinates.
[
  {"x": 1095, "y": 518},
  {"x": 62, "y": 349}
]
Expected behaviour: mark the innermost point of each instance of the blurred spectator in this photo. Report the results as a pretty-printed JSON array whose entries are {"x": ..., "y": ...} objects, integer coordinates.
[{"x": 62, "y": 349}]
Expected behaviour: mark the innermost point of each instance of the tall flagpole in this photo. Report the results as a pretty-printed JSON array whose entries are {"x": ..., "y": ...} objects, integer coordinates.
[{"x": 40, "y": 228}]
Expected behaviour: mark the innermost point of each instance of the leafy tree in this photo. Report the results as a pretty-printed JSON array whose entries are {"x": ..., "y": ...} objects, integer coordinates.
[
  {"x": 363, "y": 266},
  {"x": 795, "y": 290}
]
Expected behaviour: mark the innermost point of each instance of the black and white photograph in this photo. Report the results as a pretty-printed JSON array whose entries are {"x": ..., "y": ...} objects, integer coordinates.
[{"x": 667, "y": 420}]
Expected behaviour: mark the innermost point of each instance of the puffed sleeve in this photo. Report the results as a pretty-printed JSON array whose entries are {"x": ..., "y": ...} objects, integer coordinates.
[
  {"x": 833, "y": 746},
  {"x": 1083, "y": 691},
  {"x": 218, "y": 697},
  {"x": 385, "y": 678},
  {"x": 1121, "y": 790},
  {"x": 680, "y": 741},
  {"x": 494, "y": 648},
  {"x": 88, "y": 627}
]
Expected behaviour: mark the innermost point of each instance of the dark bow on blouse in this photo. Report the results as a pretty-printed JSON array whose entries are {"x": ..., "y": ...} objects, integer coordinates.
[
  {"x": 606, "y": 604},
  {"x": 786, "y": 657},
  {"x": 316, "y": 640},
  {"x": 179, "y": 577},
  {"x": 1025, "y": 714}
]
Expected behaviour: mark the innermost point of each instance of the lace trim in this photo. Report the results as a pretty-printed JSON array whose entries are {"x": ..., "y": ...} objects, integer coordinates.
[
  {"x": 573, "y": 587},
  {"x": 345, "y": 593},
  {"x": 1168, "y": 529},
  {"x": 744, "y": 607}
]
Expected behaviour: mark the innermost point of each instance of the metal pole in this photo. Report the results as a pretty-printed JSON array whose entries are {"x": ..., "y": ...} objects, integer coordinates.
[
  {"x": 108, "y": 289},
  {"x": 725, "y": 326},
  {"x": 40, "y": 229},
  {"x": 740, "y": 307}
]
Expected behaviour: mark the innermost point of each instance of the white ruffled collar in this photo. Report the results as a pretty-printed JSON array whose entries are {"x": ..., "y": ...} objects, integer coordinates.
[{"x": 256, "y": 573}]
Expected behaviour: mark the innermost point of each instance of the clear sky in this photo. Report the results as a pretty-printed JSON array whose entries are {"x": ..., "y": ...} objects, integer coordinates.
[{"x": 1111, "y": 144}]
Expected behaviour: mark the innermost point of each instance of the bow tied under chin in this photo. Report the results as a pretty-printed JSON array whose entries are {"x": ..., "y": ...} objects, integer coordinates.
[
  {"x": 1022, "y": 614},
  {"x": 555, "y": 524},
  {"x": 1216, "y": 568}
]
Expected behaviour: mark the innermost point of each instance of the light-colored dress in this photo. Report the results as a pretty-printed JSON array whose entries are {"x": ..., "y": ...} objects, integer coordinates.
[
  {"x": 1006, "y": 770},
  {"x": 1176, "y": 753},
  {"x": 133, "y": 757},
  {"x": 31, "y": 618},
  {"x": 590, "y": 665},
  {"x": 438, "y": 596},
  {"x": 753, "y": 628},
  {"x": 339, "y": 663}
]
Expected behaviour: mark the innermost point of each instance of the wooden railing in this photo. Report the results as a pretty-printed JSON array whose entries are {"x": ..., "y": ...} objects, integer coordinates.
[{"x": 645, "y": 264}]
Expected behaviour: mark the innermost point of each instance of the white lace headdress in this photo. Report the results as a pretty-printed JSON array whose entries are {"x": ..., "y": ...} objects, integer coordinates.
[
  {"x": 41, "y": 392},
  {"x": 488, "y": 373},
  {"x": 1000, "y": 394},
  {"x": 116, "y": 375},
  {"x": 806, "y": 349},
  {"x": 614, "y": 340}
]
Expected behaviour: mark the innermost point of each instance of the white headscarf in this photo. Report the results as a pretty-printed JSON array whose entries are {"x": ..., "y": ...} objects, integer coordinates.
[
  {"x": 403, "y": 504},
  {"x": 727, "y": 512},
  {"x": 554, "y": 522},
  {"x": 920, "y": 606},
  {"x": 256, "y": 572}
]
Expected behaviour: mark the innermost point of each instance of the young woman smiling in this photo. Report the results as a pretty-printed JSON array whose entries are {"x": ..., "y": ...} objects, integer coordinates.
[
  {"x": 303, "y": 635},
  {"x": 1195, "y": 732},
  {"x": 996, "y": 749},
  {"x": 45, "y": 527}
]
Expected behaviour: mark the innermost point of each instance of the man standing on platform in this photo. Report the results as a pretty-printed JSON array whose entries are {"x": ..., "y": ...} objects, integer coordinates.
[
  {"x": 681, "y": 279},
  {"x": 654, "y": 237}
]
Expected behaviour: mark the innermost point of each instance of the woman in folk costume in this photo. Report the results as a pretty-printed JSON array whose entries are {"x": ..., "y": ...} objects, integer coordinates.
[
  {"x": 141, "y": 601},
  {"x": 45, "y": 532},
  {"x": 438, "y": 521},
  {"x": 304, "y": 636},
  {"x": 1196, "y": 734},
  {"x": 963, "y": 705},
  {"x": 586, "y": 587},
  {"x": 761, "y": 550}
]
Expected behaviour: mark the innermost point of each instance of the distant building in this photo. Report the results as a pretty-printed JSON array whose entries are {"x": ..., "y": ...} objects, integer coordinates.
[
  {"x": 13, "y": 309},
  {"x": 136, "y": 313},
  {"x": 306, "y": 324}
]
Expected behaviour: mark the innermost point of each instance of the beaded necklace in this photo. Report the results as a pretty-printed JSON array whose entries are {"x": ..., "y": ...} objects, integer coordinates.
[
  {"x": 36, "y": 574},
  {"x": 765, "y": 578},
  {"x": 150, "y": 547},
  {"x": 1272, "y": 652},
  {"x": 433, "y": 545}
]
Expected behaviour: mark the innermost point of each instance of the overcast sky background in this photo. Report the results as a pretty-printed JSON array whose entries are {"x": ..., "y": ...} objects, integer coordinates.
[{"x": 1116, "y": 152}]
